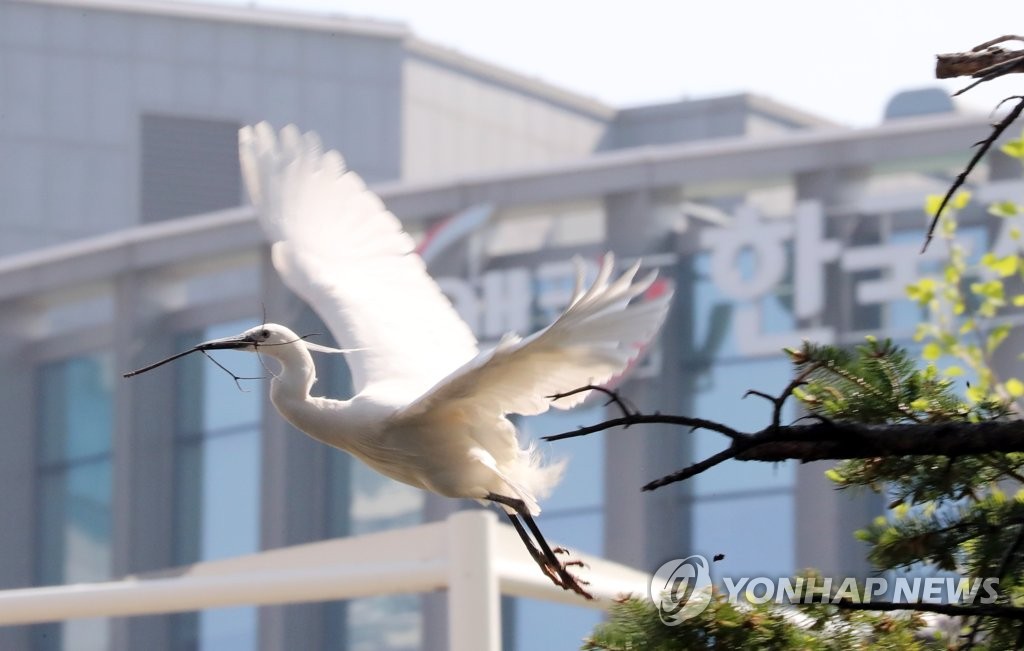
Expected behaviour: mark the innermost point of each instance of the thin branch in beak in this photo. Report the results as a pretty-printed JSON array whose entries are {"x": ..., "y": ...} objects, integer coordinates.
[
  {"x": 161, "y": 362},
  {"x": 234, "y": 377},
  {"x": 230, "y": 343}
]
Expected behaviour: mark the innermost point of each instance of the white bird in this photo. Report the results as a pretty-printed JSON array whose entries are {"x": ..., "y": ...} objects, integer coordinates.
[{"x": 430, "y": 409}]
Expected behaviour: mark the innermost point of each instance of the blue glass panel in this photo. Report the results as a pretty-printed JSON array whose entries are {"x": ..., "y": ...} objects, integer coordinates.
[
  {"x": 714, "y": 313},
  {"x": 74, "y": 488},
  {"x": 217, "y": 505},
  {"x": 380, "y": 503},
  {"x": 76, "y": 408},
  {"x": 543, "y": 625},
  {"x": 579, "y": 532},
  {"x": 583, "y": 482},
  {"x": 393, "y": 623},
  {"x": 754, "y": 533},
  {"x": 85, "y": 635},
  {"x": 208, "y": 398},
  {"x": 230, "y": 495},
  {"x": 75, "y": 517},
  {"x": 88, "y": 522},
  {"x": 718, "y": 398},
  {"x": 227, "y": 628},
  {"x": 904, "y": 314},
  {"x": 776, "y": 314}
]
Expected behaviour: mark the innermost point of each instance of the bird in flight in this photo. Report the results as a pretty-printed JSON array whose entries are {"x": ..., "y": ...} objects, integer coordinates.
[{"x": 430, "y": 408}]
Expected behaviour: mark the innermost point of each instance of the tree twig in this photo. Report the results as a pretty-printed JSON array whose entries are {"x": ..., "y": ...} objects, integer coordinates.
[
  {"x": 977, "y": 61},
  {"x": 650, "y": 419},
  {"x": 982, "y": 149},
  {"x": 695, "y": 469},
  {"x": 613, "y": 398}
]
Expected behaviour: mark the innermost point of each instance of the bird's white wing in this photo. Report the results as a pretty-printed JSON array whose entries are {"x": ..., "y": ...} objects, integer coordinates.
[
  {"x": 594, "y": 339},
  {"x": 340, "y": 249}
]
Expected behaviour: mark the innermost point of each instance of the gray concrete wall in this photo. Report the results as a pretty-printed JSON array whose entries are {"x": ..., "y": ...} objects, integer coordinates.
[
  {"x": 74, "y": 83},
  {"x": 462, "y": 119}
]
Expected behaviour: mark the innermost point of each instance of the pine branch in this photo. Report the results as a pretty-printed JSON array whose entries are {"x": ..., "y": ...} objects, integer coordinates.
[
  {"x": 835, "y": 440},
  {"x": 953, "y": 610},
  {"x": 636, "y": 418}
]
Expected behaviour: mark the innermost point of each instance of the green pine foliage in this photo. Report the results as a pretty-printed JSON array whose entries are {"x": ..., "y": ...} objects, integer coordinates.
[
  {"x": 878, "y": 383},
  {"x": 961, "y": 516},
  {"x": 633, "y": 625}
]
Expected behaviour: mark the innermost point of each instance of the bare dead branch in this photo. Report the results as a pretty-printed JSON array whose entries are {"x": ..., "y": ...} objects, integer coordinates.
[
  {"x": 976, "y": 62},
  {"x": 694, "y": 469},
  {"x": 982, "y": 148},
  {"x": 824, "y": 439},
  {"x": 613, "y": 398},
  {"x": 650, "y": 419}
]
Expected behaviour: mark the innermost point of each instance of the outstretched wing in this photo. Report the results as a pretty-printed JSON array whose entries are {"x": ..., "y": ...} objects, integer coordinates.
[
  {"x": 340, "y": 249},
  {"x": 594, "y": 339}
]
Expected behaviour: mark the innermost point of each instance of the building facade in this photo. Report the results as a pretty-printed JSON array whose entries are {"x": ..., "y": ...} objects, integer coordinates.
[{"x": 124, "y": 241}]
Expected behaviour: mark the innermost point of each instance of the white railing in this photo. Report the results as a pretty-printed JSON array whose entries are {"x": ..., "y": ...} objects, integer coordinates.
[{"x": 470, "y": 554}]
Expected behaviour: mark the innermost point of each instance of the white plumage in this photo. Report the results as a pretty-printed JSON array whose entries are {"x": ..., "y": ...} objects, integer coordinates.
[{"x": 430, "y": 409}]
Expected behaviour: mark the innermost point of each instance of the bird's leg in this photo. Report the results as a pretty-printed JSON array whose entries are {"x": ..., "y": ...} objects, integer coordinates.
[
  {"x": 537, "y": 555},
  {"x": 544, "y": 556}
]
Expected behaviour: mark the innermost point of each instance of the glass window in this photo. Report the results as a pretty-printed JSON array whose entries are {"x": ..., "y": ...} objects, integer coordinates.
[
  {"x": 217, "y": 479},
  {"x": 74, "y": 487},
  {"x": 719, "y": 397},
  {"x": 571, "y": 517},
  {"x": 714, "y": 313},
  {"x": 361, "y": 501},
  {"x": 582, "y": 485},
  {"x": 724, "y": 526},
  {"x": 543, "y": 625}
]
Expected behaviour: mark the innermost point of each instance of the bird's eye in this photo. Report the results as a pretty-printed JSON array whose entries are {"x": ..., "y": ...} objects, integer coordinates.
[{"x": 265, "y": 334}]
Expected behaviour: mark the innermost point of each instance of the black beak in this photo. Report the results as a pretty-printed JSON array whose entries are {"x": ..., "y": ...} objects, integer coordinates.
[{"x": 227, "y": 343}]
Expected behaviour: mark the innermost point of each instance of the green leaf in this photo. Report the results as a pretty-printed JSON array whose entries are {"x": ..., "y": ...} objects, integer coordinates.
[
  {"x": 932, "y": 351},
  {"x": 833, "y": 475},
  {"x": 1004, "y": 209},
  {"x": 996, "y": 337},
  {"x": 953, "y": 371},
  {"x": 922, "y": 291},
  {"x": 1014, "y": 148},
  {"x": 975, "y": 394},
  {"x": 992, "y": 289},
  {"x": 1015, "y": 387},
  {"x": 1007, "y": 265},
  {"x": 961, "y": 199}
]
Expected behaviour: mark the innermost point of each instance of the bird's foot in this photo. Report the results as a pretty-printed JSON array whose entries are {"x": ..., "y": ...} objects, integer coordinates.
[
  {"x": 569, "y": 581},
  {"x": 561, "y": 576}
]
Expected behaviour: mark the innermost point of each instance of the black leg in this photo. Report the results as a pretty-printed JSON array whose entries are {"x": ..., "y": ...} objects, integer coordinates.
[
  {"x": 537, "y": 555},
  {"x": 544, "y": 556}
]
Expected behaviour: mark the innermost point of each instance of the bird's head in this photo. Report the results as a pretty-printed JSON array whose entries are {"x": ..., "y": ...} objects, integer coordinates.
[
  {"x": 263, "y": 338},
  {"x": 270, "y": 339}
]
